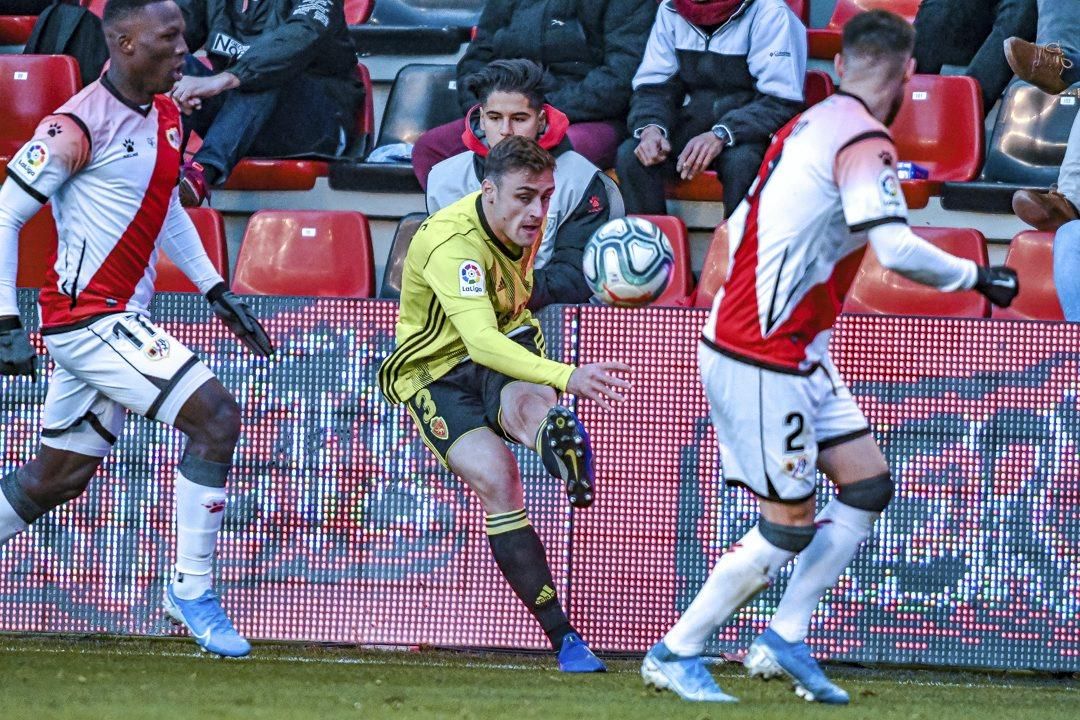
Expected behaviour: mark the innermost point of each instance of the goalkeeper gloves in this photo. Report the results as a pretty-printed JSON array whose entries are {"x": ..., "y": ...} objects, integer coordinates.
[
  {"x": 235, "y": 313},
  {"x": 998, "y": 283},
  {"x": 17, "y": 356}
]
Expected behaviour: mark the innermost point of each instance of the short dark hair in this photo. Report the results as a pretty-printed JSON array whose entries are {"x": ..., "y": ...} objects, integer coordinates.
[
  {"x": 517, "y": 153},
  {"x": 879, "y": 34},
  {"x": 523, "y": 77},
  {"x": 120, "y": 9}
]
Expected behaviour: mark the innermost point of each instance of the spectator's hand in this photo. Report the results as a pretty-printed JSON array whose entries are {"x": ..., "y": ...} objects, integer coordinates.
[
  {"x": 698, "y": 155},
  {"x": 596, "y": 382},
  {"x": 653, "y": 148},
  {"x": 17, "y": 356},
  {"x": 191, "y": 90}
]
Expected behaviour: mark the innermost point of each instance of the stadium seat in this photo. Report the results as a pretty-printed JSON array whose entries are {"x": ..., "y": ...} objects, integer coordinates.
[
  {"x": 1031, "y": 255},
  {"x": 422, "y": 97},
  {"x": 706, "y": 187},
  {"x": 682, "y": 277},
  {"x": 15, "y": 29},
  {"x": 877, "y": 291},
  {"x": 357, "y": 12},
  {"x": 306, "y": 252},
  {"x": 211, "y": 229},
  {"x": 37, "y": 248},
  {"x": 824, "y": 43},
  {"x": 1027, "y": 146},
  {"x": 800, "y": 8},
  {"x": 395, "y": 261},
  {"x": 410, "y": 27},
  {"x": 32, "y": 86},
  {"x": 939, "y": 127},
  {"x": 713, "y": 270},
  {"x": 301, "y": 174}
]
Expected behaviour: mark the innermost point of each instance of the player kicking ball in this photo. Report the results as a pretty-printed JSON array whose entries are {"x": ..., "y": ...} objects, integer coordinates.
[
  {"x": 108, "y": 160},
  {"x": 779, "y": 406},
  {"x": 469, "y": 365}
]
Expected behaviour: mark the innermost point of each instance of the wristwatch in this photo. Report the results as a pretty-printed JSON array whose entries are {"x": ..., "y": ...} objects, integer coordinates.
[{"x": 722, "y": 133}]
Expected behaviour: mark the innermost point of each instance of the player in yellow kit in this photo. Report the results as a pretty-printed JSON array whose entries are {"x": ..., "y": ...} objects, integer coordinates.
[{"x": 470, "y": 366}]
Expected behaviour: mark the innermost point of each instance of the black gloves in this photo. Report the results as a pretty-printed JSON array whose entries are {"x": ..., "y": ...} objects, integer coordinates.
[
  {"x": 998, "y": 283},
  {"x": 17, "y": 356},
  {"x": 237, "y": 316}
]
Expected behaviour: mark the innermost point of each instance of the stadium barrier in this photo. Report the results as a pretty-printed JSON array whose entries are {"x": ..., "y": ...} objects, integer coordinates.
[{"x": 342, "y": 528}]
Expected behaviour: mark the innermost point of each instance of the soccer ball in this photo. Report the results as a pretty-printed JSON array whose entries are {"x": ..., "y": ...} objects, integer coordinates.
[{"x": 628, "y": 262}]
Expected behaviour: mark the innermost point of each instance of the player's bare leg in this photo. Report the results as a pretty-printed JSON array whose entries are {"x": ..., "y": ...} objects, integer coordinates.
[
  {"x": 52, "y": 478},
  {"x": 211, "y": 420},
  {"x": 532, "y": 416},
  {"x": 482, "y": 460},
  {"x": 864, "y": 487}
]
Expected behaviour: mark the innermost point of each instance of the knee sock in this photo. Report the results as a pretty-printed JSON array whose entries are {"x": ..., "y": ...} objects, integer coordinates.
[
  {"x": 747, "y": 568},
  {"x": 200, "y": 508},
  {"x": 841, "y": 529},
  {"x": 521, "y": 558},
  {"x": 17, "y": 510}
]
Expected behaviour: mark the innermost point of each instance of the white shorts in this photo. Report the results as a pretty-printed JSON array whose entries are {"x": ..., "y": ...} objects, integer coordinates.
[
  {"x": 116, "y": 362},
  {"x": 772, "y": 424}
]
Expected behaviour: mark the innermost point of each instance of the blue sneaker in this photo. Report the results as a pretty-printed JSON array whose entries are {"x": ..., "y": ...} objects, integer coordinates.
[
  {"x": 207, "y": 623},
  {"x": 576, "y": 657},
  {"x": 687, "y": 677},
  {"x": 771, "y": 656}
]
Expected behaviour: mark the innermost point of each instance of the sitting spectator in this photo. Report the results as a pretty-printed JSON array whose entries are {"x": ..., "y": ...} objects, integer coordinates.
[
  {"x": 588, "y": 48},
  {"x": 512, "y": 103},
  {"x": 283, "y": 83},
  {"x": 971, "y": 33},
  {"x": 719, "y": 77}
]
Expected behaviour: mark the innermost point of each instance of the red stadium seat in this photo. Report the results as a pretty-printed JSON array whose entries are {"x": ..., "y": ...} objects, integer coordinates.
[
  {"x": 682, "y": 278},
  {"x": 817, "y": 86},
  {"x": 15, "y": 29},
  {"x": 95, "y": 6},
  {"x": 877, "y": 291},
  {"x": 211, "y": 228},
  {"x": 306, "y": 252},
  {"x": 1031, "y": 255},
  {"x": 939, "y": 127},
  {"x": 270, "y": 174},
  {"x": 32, "y": 86},
  {"x": 800, "y": 8},
  {"x": 37, "y": 248},
  {"x": 357, "y": 12},
  {"x": 824, "y": 43}
]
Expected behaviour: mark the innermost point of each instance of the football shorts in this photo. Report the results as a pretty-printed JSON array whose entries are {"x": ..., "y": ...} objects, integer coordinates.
[
  {"x": 115, "y": 363},
  {"x": 771, "y": 425}
]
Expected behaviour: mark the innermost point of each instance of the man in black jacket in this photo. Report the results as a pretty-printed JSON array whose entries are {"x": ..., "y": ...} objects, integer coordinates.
[
  {"x": 588, "y": 49},
  {"x": 283, "y": 83},
  {"x": 718, "y": 78}
]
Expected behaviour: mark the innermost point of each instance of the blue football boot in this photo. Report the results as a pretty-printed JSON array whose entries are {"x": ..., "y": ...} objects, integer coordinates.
[
  {"x": 771, "y": 656},
  {"x": 566, "y": 451},
  {"x": 207, "y": 622},
  {"x": 687, "y": 677},
  {"x": 576, "y": 657}
]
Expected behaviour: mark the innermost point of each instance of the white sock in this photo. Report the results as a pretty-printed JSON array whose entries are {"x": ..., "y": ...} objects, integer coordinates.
[
  {"x": 742, "y": 572},
  {"x": 10, "y": 522},
  {"x": 840, "y": 530},
  {"x": 199, "y": 512}
]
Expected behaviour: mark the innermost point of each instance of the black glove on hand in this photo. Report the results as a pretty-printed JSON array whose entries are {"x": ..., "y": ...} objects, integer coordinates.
[
  {"x": 235, "y": 313},
  {"x": 17, "y": 356},
  {"x": 998, "y": 283}
]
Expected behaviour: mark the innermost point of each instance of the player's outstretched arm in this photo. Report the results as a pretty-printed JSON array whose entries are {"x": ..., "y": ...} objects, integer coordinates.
[
  {"x": 598, "y": 382},
  {"x": 235, "y": 313}
]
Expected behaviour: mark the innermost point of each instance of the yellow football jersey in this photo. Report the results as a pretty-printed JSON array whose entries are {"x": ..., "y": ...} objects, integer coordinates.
[{"x": 463, "y": 292}]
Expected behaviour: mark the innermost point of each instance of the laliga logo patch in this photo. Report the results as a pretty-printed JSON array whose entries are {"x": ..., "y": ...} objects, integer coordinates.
[
  {"x": 471, "y": 279},
  {"x": 889, "y": 188},
  {"x": 438, "y": 428},
  {"x": 158, "y": 349},
  {"x": 797, "y": 466},
  {"x": 173, "y": 136},
  {"x": 30, "y": 164}
]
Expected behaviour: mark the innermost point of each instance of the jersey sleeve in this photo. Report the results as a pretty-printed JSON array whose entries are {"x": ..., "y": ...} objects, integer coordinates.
[
  {"x": 59, "y": 149},
  {"x": 456, "y": 271},
  {"x": 865, "y": 172}
]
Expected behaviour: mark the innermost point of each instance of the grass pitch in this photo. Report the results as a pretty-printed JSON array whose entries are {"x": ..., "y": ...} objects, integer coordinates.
[{"x": 54, "y": 677}]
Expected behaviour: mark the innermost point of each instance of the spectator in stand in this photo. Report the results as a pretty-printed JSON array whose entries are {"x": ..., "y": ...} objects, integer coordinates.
[
  {"x": 970, "y": 33},
  {"x": 718, "y": 78},
  {"x": 283, "y": 83},
  {"x": 588, "y": 49},
  {"x": 1053, "y": 65},
  {"x": 512, "y": 103}
]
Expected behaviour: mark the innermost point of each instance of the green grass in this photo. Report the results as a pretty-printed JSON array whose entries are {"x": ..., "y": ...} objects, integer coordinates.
[{"x": 51, "y": 677}]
